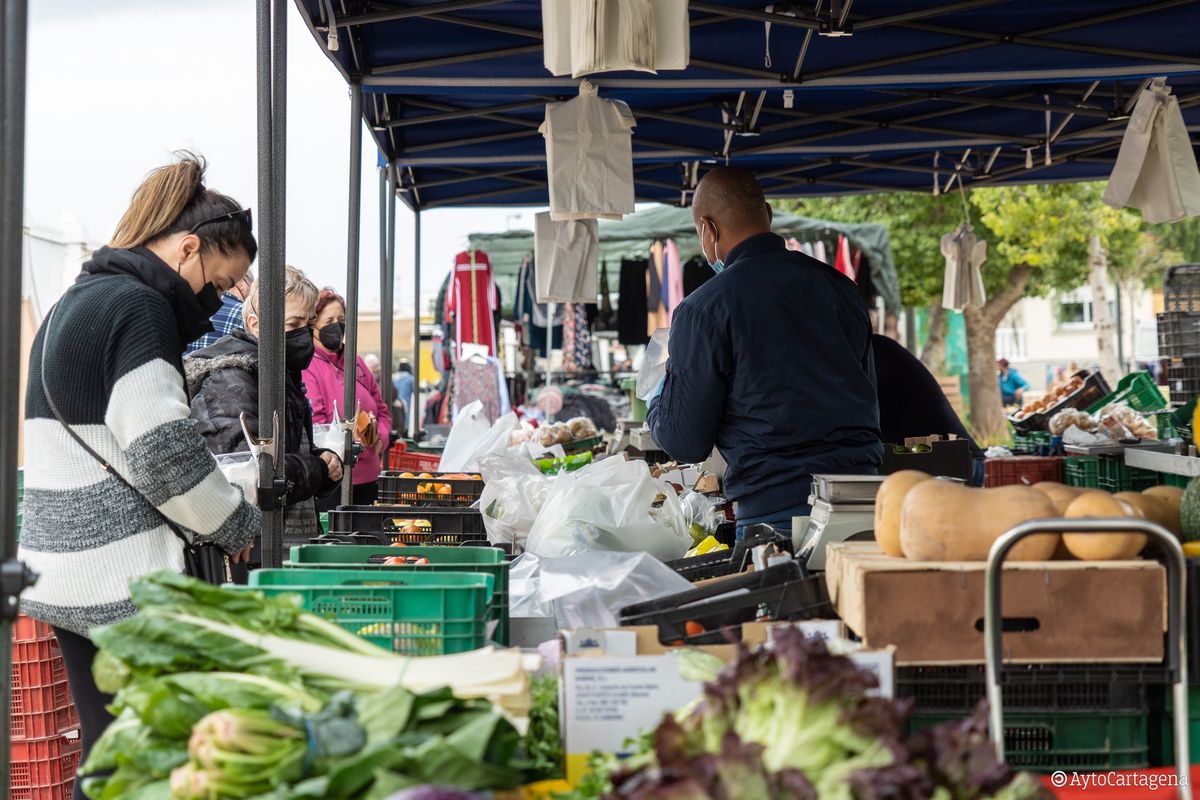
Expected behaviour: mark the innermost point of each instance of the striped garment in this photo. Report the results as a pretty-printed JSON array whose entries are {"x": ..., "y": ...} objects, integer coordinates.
[
  {"x": 227, "y": 320},
  {"x": 114, "y": 370}
]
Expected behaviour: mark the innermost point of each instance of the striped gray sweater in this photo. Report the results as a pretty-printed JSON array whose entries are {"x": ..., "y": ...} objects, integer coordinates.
[{"x": 114, "y": 370}]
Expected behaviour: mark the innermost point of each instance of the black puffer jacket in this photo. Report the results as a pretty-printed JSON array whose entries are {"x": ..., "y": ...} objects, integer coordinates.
[{"x": 223, "y": 383}]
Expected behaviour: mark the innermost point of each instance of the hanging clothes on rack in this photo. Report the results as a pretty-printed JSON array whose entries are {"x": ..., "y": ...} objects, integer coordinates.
[
  {"x": 582, "y": 345},
  {"x": 568, "y": 346},
  {"x": 819, "y": 252},
  {"x": 794, "y": 244},
  {"x": 532, "y": 316},
  {"x": 657, "y": 316},
  {"x": 476, "y": 379},
  {"x": 696, "y": 273},
  {"x": 844, "y": 263},
  {"x": 606, "y": 316},
  {"x": 808, "y": 250},
  {"x": 631, "y": 302},
  {"x": 675, "y": 277},
  {"x": 472, "y": 300}
]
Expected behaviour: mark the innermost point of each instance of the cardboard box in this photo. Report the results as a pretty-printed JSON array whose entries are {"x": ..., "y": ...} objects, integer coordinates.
[
  {"x": 618, "y": 683},
  {"x": 1054, "y": 611}
]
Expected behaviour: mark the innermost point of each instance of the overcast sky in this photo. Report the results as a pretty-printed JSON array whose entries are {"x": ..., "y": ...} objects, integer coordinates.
[{"x": 115, "y": 86}]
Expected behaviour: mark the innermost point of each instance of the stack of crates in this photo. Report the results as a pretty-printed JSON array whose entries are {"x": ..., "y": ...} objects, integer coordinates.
[
  {"x": 1162, "y": 730},
  {"x": 1179, "y": 331},
  {"x": 44, "y": 752}
]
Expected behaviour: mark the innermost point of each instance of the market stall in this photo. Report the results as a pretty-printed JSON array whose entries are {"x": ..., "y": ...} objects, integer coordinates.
[{"x": 239, "y": 692}]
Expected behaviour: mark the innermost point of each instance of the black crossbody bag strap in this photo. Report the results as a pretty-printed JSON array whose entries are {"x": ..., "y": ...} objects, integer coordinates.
[{"x": 206, "y": 561}]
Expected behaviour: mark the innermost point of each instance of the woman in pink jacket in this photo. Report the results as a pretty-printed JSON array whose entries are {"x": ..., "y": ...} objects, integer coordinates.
[{"x": 325, "y": 380}]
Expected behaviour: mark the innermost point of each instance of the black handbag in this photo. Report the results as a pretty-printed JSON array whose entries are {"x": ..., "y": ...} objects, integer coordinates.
[{"x": 205, "y": 561}]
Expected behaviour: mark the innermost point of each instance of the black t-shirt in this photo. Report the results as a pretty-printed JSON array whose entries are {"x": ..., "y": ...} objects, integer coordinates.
[{"x": 911, "y": 402}]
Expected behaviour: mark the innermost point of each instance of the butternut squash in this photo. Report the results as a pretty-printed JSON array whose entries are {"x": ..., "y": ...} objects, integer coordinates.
[
  {"x": 1103, "y": 546},
  {"x": 889, "y": 500},
  {"x": 945, "y": 521},
  {"x": 1172, "y": 496},
  {"x": 1060, "y": 493},
  {"x": 1153, "y": 507}
]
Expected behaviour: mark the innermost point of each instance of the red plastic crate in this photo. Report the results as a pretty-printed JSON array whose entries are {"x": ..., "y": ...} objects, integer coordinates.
[
  {"x": 26, "y": 630},
  {"x": 41, "y": 699},
  {"x": 44, "y": 769},
  {"x": 37, "y": 663},
  {"x": 44, "y": 724},
  {"x": 400, "y": 460},
  {"x": 1022, "y": 470}
]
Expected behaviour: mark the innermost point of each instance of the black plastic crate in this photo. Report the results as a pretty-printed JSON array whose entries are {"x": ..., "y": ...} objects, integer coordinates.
[
  {"x": 1183, "y": 378},
  {"x": 399, "y": 491},
  {"x": 1094, "y": 389},
  {"x": 1192, "y": 584},
  {"x": 700, "y": 568},
  {"x": 1181, "y": 288},
  {"x": 445, "y": 527},
  {"x": 780, "y": 592},
  {"x": 1043, "y": 687},
  {"x": 1178, "y": 334}
]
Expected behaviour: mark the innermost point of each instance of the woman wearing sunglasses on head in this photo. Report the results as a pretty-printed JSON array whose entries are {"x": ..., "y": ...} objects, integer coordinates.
[{"x": 113, "y": 465}]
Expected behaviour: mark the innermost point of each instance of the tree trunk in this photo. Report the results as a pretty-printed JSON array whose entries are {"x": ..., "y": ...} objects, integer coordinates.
[
  {"x": 933, "y": 355},
  {"x": 1102, "y": 316},
  {"x": 987, "y": 411}
]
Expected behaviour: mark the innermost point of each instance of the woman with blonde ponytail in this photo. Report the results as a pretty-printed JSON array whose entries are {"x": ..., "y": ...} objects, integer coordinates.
[{"x": 113, "y": 464}]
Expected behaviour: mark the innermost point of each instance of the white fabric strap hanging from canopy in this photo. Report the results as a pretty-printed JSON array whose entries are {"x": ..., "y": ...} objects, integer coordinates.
[{"x": 584, "y": 37}]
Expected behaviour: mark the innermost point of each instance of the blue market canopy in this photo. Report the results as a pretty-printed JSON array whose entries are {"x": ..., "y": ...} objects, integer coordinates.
[{"x": 850, "y": 96}]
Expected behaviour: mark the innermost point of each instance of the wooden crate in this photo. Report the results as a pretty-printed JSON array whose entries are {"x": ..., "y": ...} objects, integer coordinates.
[{"x": 1064, "y": 611}]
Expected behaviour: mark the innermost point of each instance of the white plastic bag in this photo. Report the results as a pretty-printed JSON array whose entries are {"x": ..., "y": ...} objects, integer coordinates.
[
  {"x": 589, "y": 591},
  {"x": 330, "y": 437},
  {"x": 472, "y": 437},
  {"x": 513, "y": 494},
  {"x": 241, "y": 469},
  {"x": 609, "y": 506},
  {"x": 654, "y": 363}
]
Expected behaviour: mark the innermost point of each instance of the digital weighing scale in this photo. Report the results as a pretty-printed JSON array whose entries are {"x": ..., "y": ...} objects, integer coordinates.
[{"x": 843, "y": 508}]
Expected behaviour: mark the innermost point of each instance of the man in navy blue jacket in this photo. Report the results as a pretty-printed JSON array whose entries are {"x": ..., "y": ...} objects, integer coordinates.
[{"x": 770, "y": 361}]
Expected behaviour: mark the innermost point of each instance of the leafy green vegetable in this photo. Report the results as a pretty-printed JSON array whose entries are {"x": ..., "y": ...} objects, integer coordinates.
[{"x": 543, "y": 741}]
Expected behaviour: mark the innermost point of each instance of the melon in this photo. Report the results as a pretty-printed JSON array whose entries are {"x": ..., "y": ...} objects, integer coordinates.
[
  {"x": 1172, "y": 497},
  {"x": 1189, "y": 511},
  {"x": 1103, "y": 546}
]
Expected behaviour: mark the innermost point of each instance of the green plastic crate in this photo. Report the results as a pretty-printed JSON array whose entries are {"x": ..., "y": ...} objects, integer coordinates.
[
  {"x": 1083, "y": 741},
  {"x": 1163, "y": 745},
  {"x": 324, "y": 522},
  {"x": 1180, "y": 481},
  {"x": 1138, "y": 391},
  {"x": 1031, "y": 441},
  {"x": 1117, "y": 476},
  {"x": 412, "y": 613},
  {"x": 1181, "y": 419},
  {"x": 1082, "y": 471},
  {"x": 485, "y": 560}
]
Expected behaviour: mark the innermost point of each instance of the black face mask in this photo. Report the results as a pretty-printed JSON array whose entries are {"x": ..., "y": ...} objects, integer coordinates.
[
  {"x": 299, "y": 348},
  {"x": 332, "y": 335},
  {"x": 210, "y": 299}
]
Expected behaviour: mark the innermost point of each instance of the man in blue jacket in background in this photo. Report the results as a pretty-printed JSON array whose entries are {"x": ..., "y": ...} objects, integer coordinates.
[{"x": 770, "y": 361}]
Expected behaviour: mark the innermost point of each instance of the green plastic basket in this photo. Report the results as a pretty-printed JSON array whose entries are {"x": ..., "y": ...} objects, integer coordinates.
[
  {"x": 1179, "y": 481},
  {"x": 324, "y": 522},
  {"x": 1031, "y": 441},
  {"x": 1081, "y": 741},
  {"x": 1181, "y": 419},
  {"x": 1082, "y": 471},
  {"x": 1162, "y": 745},
  {"x": 1117, "y": 476},
  {"x": 482, "y": 560},
  {"x": 1136, "y": 390},
  {"x": 412, "y": 613}
]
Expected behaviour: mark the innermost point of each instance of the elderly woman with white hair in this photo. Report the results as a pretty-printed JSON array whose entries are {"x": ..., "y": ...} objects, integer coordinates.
[{"x": 223, "y": 383}]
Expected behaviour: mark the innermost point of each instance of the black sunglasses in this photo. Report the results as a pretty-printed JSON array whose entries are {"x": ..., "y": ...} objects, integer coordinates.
[{"x": 244, "y": 216}]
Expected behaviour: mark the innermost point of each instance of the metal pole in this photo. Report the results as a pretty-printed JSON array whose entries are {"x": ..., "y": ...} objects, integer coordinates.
[
  {"x": 1177, "y": 604},
  {"x": 353, "y": 229},
  {"x": 272, "y": 146},
  {"x": 551, "y": 310},
  {"x": 385, "y": 370},
  {"x": 1121, "y": 334},
  {"x": 417, "y": 411},
  {"x": 14, "y": 577},
  {"x": 388, "y": 345}
]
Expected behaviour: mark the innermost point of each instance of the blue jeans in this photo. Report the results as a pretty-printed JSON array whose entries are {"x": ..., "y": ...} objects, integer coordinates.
[{"x": 779, "y": 520}]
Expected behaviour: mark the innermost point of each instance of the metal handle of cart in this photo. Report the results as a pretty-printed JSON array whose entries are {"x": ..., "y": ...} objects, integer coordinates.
[{"x": 1176, "y": 656}]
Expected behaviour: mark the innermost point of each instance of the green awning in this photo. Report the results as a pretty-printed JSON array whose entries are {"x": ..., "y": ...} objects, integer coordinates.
[{"x": 633, "y": 236}]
